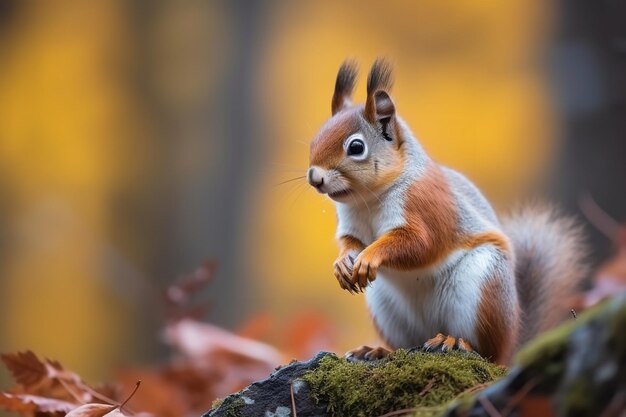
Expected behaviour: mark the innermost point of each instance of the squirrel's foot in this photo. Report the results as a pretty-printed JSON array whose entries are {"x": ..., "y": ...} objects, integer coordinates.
[
  {"x": 366, "y": 353},
  {"x": 441, "y": 343}
]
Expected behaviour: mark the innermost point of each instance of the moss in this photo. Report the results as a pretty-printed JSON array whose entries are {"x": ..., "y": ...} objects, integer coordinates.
[
  {"x": 552, "y": 344},
  {"x": 231, "y": 406},
  {"x": 216, "y": 403},
  {"x": 404, "y": 380}
]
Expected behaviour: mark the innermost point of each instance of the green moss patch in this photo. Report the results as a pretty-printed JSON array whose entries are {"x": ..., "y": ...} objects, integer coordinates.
[
  {"x": 231, "y": 406},
  {"x": 404, "y": 380}
]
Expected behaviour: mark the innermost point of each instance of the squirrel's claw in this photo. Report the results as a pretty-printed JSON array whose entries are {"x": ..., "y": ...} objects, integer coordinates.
[
  {"x": 366, "y": 353},
  {"x": 441, "y": 343}
]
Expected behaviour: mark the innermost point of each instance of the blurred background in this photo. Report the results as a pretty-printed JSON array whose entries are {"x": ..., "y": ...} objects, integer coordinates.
[{"x": 139, "y": 138}]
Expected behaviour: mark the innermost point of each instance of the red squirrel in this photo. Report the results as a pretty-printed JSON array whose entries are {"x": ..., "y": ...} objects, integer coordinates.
[{"x": 437, "y": 267}]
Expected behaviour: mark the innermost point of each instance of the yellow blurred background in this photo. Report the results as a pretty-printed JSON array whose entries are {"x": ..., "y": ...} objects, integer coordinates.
[{"x": 139, "y": 138}]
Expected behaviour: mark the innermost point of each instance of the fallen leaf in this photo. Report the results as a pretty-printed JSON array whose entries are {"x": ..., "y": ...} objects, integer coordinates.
[
  {"x": 26, "y": 368},
  {"x": 9, "y": 402},
  {"x": 42, "y": 404},
  {"x": 201, "y": 340},
  {"x": 91, "y": 410}
]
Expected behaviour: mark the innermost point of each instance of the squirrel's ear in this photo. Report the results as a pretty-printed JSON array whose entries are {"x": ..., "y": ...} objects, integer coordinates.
[
  {"x": 383, "y": 105},
  {"x": 344, "y": 86},
  {"x": 379, "y": 104}
]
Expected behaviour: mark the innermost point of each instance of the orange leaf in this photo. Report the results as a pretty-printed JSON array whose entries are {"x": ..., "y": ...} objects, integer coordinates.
[
  {"x": 26, "y": 368},
  {"x": 11, "y": 403},
  {"x": 41, "y": 404},
  {"x": 91, "y": 410}
]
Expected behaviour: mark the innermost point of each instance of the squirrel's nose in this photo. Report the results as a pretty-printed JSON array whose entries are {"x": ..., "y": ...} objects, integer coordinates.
[{"x": 315, "y": 177}]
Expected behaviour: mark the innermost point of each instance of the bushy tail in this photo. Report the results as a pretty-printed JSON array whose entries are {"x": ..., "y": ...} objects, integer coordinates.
[{"x": 550, "y": 266}]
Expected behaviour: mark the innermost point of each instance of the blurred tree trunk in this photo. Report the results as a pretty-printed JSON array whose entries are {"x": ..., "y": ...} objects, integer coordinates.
[
  {"x": 590, "y": 74},
  {"x": 197, "y": 78}
]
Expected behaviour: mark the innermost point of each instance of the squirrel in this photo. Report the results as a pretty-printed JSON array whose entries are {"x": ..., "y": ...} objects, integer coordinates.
[{"x": 437, "y": 266}]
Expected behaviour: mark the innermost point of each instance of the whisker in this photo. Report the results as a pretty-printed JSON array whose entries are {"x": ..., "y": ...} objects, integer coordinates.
[
  {"x": 366, "y": 205},
  {"x": 289, "y": 169},
  {"x": 290, "y": 180},
  {"x": 372, "y": 193},
  {"x": 287, "y": 165},
  {"x": 298, "y": 195}
]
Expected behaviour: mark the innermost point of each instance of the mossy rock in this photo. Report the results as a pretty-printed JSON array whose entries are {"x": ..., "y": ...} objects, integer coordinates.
[
  {"x": 420, "y": 380},
  {"x": 331, "y": 386},
  {"x": 578, "y": 369}
]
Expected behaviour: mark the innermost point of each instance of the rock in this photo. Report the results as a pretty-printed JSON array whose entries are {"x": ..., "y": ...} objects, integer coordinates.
[
  {"x": 578, "y": 369},
  {"x": 272, "y": 397},
  {"x": 329, "y": 386}
]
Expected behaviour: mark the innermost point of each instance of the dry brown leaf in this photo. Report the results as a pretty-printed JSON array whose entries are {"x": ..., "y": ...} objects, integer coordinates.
[
  {"x": 200, "y": 341},
  {"x": 91, "y": 410},
  {"x": 10, "y": 402},
  {"x": 26, "y": 368},
  {"x": 178, "y": 297},
  {"x": 40, "y": 404}
]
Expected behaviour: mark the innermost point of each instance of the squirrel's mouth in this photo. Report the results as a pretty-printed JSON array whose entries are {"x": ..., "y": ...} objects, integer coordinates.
[{"x": 339, "y": 194}]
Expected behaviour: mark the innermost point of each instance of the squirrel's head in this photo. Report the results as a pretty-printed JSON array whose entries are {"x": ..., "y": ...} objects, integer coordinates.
[{"x": 358, "y": 153}]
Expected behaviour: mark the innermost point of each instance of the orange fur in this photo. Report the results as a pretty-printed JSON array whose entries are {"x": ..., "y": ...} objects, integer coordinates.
[
  {"x": 496, "y": 239},
  {"x": 496, "y": 323},
  {"x": 327, "y": 147},
  {"x": 347, "y": 243},
  {"x": 430, "y": 233}
]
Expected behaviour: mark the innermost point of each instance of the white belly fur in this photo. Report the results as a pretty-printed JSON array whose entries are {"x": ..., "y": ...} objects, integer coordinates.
[{"x": 409, "y": 307}]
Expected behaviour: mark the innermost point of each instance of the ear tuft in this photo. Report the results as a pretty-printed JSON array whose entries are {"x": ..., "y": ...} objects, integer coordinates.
[
  {"x": 380, "y": 76},
  {"x": 344, "y": 85},
  {"x": 379, "y": 105}
]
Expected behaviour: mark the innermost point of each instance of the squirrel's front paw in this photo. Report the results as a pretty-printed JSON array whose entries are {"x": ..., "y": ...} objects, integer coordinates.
[
  {"x": 343, "y": 267},
  {"x": 365, "y": 268}
]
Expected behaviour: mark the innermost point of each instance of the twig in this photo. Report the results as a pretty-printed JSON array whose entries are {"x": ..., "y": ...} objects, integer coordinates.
[
  {"x": 475, "y": 388},
  {"x": 130, "y": 396},
  {"x": 293, "y": 400},
  {"x": 400, "y": 412},
  {"x": 76, "y": 396},
  {"x": 428, "y": 387},
  {"x": 489, "y": 408},
  {"x": 96, "y": 394}
]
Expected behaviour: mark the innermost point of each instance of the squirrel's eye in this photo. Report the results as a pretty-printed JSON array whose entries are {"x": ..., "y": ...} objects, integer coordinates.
[{"x": 356, "y": 147}]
